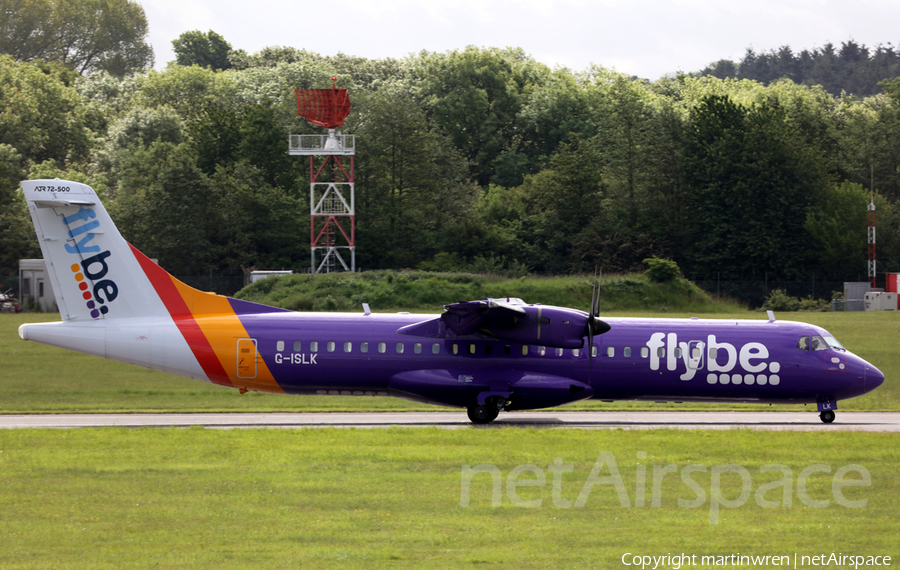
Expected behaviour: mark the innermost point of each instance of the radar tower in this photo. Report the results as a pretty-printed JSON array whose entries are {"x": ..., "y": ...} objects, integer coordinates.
[
  {"x": 873, "y": 276},
  {"x": 332, "y": 203}
]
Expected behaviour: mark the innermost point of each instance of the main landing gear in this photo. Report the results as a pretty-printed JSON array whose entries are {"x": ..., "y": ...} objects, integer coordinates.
[
  {"x": 827, "y": 416},
  {"x": 486, "y": 413}
]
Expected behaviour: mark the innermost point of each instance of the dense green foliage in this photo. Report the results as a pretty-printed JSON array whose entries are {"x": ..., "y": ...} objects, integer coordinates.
[
  {"x": 478, "y": 159},
  {"x": 206, "y": 50},
  {"x": 853, "y": 67},
  {"x": 81, "y": 35}
]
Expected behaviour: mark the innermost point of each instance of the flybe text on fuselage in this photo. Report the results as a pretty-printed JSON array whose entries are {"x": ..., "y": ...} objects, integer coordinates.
[
  {"x": 81, "y": 231},
  {"x": 724, "y": 362}
]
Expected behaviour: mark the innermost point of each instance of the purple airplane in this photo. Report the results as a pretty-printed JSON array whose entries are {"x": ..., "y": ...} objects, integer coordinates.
[{"x": 485, "y": 356}]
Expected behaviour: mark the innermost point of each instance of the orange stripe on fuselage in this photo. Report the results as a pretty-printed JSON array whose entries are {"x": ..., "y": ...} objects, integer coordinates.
[
  {"x": 210, "y": 327},
  {"x": 222, "y": 328}
]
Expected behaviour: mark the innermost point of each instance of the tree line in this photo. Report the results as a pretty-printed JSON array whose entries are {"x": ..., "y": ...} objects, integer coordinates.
[
  {"x": 852, "y": 68},
  {"x": 474, "y": 158}
]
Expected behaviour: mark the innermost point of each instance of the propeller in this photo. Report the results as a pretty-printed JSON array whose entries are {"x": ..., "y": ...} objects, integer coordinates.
[{"x": 595, "y": 326}]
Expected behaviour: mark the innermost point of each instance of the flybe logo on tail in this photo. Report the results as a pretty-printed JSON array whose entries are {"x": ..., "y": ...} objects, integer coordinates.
[
  {"x": 80, "y": 245},
  {"x": 93, "y": 268}
]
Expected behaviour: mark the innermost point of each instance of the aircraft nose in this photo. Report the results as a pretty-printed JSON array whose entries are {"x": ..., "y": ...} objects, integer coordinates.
[{"x": 874, "y": 377}]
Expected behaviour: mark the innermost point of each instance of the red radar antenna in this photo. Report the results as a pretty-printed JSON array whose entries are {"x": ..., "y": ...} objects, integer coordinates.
[{"x": 324, "y": 107}]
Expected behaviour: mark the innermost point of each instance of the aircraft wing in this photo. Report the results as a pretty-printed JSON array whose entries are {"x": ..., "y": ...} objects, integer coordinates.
[
  {"x": 509, "y": 320},
  {"x": 481, "y": 316}
]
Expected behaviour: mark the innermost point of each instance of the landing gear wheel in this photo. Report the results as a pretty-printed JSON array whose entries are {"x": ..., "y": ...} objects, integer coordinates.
[
  {"x": 827, "y": 416},
  {"x": 483, "y": 414}
]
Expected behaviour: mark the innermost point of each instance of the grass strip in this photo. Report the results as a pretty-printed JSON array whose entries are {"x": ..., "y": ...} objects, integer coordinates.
[{"x": 354, "y": 498}]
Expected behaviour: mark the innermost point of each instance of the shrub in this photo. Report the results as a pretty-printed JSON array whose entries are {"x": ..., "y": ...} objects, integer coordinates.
[
  {"x": 661, "y": 270},
  {"x": 779, "y": 300},
  {"x": 494, "y": 265}
]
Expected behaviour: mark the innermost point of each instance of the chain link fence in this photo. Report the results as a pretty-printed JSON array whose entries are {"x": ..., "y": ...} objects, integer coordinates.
[{"x": 755, "y": 290}]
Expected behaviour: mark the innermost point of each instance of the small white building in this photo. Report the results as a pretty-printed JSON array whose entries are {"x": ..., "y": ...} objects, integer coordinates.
[
  {"x": 35, "y": 287},
  {"x": 257, "y": 275}
]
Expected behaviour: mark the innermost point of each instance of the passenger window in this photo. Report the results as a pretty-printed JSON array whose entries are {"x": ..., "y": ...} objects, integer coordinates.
[
  {"x": 314, "y": 346},
  {"x": 417, "y": 348},
  {"x": 454, "y": 348},
  {"x": 436, "y": 348},
  {"x": 471, "y": 349},
  {"x": 818, "y": 343},
  {"x": 364, "y": 347},
  {"x": 713, "y": 352},
  {"x": 576, "y": 352},
  {"x": 330, "y": 346},
  {"x": 382, "y": 347},
  {"x": 400, "y": 348},
  {"x": 524, "y": 350},
  {"x": 645, "y": 352},
  {"x": 661, "y": 352},
  {"x": 298, "y": 346},
  {"x": 593, "y": 351},
  {"x": 558, "y": 352},
  {"x": 507, "y": 350},
  {"x": 803, "y": 343},
  {"x": 610, "y": 351},
  {"x": 279, "y": 346},
  {"x": 678, "y": 352},
  {"x": 626, "y": 352},
  {"x": 489, "y": 349},
  {"x": 348, "y": 347}
]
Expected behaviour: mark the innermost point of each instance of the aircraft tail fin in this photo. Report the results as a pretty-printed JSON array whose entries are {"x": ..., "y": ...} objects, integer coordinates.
[
  {"x": 117, "y": 303},
  {"x": 92, "y": 269},
  {"x": 96, "y": 274}
]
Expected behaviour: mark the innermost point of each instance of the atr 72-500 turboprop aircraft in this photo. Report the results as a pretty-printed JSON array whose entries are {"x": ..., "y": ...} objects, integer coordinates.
[{"x": 485, "y": 356}]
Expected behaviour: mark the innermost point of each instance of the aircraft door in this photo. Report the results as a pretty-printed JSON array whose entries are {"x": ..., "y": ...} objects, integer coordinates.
[
  {"x": 695, "y": 354},
  {"x": 246, "y": 358}
]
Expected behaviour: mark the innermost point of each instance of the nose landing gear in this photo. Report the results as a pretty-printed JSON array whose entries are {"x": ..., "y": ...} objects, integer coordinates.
[{"x": 827, "y": 416}]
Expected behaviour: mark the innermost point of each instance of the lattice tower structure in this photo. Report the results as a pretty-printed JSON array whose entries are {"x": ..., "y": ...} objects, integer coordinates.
[
  {"x": 872, "y": 265},
  {"x": 332, "y": 199}
]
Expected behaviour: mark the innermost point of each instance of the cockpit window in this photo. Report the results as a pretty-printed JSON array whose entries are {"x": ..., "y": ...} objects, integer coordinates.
[
  {"x": 818, "y": 343},
  {"x": 803, "y": 343},
  {"x": 833, "y": 343}
]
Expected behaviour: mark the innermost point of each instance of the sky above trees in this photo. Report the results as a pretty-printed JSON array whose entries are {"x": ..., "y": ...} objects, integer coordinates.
[{"x": 646, "y": 38}]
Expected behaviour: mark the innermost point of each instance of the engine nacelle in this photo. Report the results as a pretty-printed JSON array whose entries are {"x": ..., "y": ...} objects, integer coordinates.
[{"x": 556, "y": 327}]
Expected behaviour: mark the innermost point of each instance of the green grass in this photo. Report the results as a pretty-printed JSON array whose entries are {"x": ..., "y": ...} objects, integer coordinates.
[
  {"x": 426, "y": 291},
  {"x": 36, "y": 378},
  {"x": 334, "y": 498}
]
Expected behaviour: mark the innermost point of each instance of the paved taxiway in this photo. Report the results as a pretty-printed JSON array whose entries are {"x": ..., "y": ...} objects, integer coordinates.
[{"x": 796, "y": 421}]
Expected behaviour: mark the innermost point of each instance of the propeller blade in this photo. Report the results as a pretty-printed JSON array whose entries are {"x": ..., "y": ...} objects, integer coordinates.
[{"x": 595, "y": 294}]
